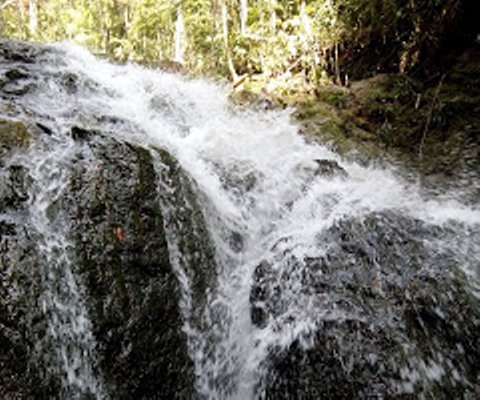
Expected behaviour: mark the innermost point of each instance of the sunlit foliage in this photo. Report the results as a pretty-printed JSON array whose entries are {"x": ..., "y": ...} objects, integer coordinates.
[{"x": 306, "y": 41}]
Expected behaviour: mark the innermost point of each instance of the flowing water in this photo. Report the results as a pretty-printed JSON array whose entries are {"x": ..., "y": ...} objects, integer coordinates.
[
  {"x": 68, "y": 344},
  {"x": 264, "y": 199}
]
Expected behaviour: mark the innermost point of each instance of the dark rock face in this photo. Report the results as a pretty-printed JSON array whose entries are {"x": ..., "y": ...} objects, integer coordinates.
[
  {"x": 13, "y": 73},
  {"x": 124, "y": 258},
  {"x": 17, "y": 252},
  {"x": 395, "y": 317},
  {"x": 121, "y": 254},
  {"x": 16, "y": 249},
  {"x": 329, "y": 168}
]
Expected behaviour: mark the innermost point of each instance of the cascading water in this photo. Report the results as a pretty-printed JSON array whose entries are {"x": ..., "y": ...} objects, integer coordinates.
[
  {"x": 68, "y": 345},
  {"x": 286, "y": 219}
]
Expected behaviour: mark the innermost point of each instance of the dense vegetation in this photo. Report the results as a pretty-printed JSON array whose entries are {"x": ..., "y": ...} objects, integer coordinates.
[
  {"x": 302, "y": 42},
  {"x": 409, "y": 68}
]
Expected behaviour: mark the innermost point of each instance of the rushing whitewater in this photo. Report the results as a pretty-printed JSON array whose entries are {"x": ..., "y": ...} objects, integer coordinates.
[
  {"x": 286, "y": 218},
  {"x": 68, "y": 344}
]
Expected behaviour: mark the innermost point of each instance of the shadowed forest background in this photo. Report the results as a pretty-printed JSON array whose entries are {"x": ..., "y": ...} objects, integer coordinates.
[
  {"x": 284, "y": 46},
  {"x": 395, "y": 75}
]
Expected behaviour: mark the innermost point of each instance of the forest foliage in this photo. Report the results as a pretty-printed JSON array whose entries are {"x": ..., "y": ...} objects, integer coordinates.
[{"x": 304, "y": 42}]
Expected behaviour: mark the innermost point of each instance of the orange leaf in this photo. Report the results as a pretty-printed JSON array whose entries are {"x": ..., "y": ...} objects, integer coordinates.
[{"x": 119, "y": 234}]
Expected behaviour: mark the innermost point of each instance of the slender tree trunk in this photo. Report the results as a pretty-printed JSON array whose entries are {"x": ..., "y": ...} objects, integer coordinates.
[
  {"x": 126, "y": 17},
  {"x": 337, "y": 65},
  {"x": 226, "y": 45},
  {"x": 32, "y": 18},
  {"x": 243, "y": 16},
  {"x": 179, "y": 35}
]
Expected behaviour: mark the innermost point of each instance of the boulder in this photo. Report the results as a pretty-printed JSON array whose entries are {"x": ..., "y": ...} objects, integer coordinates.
[
  {"x": 393, "y": 316},
  {"x": 124, "y": 260},
  {"x": 114, "y": 207}
]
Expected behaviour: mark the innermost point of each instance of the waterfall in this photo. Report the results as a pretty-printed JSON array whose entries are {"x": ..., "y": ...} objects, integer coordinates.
[
  {"x": 307, "y": 246},
  {"x": 67, "y": 348}
]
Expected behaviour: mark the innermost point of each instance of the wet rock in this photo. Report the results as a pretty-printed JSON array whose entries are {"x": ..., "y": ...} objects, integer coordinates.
[
  {"x": 262, "y": 294},
  {"x": 119, "y": 250},
  {"x": 240, "y": 181},
  {"x": 236, "y": 242},
  {"x": 14, "y": 260},
  {"x": 19, "y": 278},
  {"x": 393, "y": 316},
  {"x": 187, "y": 227},
  {"x": 14, "y": 133},
  {"x": 124, "y": 258},
  {"x": 70, "y": 82},
  {"x": 329, "y": 168},
  {"x": 14, "y": 83},
  {"x": 13, "y": 191},
  {"x": 79, "y": 133},
  {"x": 18, "y": 292},
  {"x": 15, "y": 74},
  {"x": 23, "y": 52}
]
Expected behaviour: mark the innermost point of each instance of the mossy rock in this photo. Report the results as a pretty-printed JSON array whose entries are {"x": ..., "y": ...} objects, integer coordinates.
[
  {"x": 383, "y": 97},
  {"x": 257, "y": 100},
  {"x": 336, "y": 96},
  {"x": 429, "y": 126},
  {"x": 13, "y": 134},
  {"x": 325, "y": 123}
]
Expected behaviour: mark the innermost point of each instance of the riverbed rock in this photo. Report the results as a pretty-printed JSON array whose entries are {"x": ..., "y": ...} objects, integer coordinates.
[
  {"x": 123, "y": 256},
  {"x": 394, "y": 316},
  {"x": 118, "y": 246},
  {"x": 328, "y": 168},
  {"x": 18, "y": 288},
  {"x": 123, "y": 260},
  {"x": 429, "y": 127}
]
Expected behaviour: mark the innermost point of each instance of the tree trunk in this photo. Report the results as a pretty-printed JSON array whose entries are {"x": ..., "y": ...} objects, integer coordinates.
[
  {"x": 243, "y": 16},
  {"x": 337, "y": 66},
  {"x": 226, "y": 45},
  {"x": 32, "y": 18},
  {"x": 178, "y": 37}
]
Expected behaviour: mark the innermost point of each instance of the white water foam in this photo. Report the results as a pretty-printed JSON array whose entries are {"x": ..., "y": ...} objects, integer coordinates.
[
  {"x": 258, "y": 176},
  {"x": 68, "y": 347}
]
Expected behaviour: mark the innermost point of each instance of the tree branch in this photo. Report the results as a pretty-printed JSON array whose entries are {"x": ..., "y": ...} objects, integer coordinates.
[{"x": 6, "y": 4}]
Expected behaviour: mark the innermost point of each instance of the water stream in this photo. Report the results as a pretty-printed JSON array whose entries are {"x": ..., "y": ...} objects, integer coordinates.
[
  {"x": 266, "y": 202},
  {"x": 68, "y": 346}
]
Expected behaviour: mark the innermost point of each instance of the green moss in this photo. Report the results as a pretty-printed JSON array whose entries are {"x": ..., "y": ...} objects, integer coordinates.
[
  {"x": 327, "y": 124},
  {"x": 432, "y": 126},
  {"x": 14, "y": 134},
  {"x": 335, "y": 96}
]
